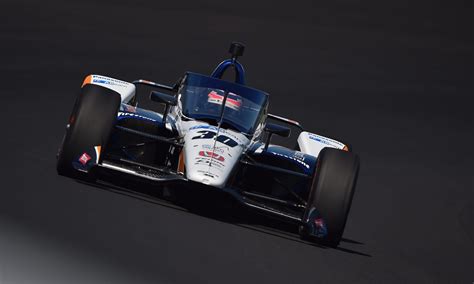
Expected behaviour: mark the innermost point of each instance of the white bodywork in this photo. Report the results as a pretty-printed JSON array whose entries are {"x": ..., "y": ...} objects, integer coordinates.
[
  {"x": 125, "y": 89},
  {"x": 208, "y": 158},
  {"x": 312, "y": 144},
  {"x": 209, "y": 153}
]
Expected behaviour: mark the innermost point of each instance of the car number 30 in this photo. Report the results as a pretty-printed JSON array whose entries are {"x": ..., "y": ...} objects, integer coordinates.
[{"x": 206, "y": 134}]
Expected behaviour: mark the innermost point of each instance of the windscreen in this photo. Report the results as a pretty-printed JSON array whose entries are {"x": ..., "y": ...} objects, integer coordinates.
[{"x": 216, "y": 101}]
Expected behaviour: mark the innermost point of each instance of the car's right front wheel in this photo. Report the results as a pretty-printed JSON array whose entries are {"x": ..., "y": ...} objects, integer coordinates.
[
  {"x": 330, "y": 197},
  {"x": 89, "y": 129}
]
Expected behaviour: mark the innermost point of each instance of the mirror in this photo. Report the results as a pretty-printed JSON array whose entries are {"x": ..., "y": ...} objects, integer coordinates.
[
  {"x": 168, "y": 100},
  {"x": 163, "y": 98},
  {"x": 275, "y": 129}
]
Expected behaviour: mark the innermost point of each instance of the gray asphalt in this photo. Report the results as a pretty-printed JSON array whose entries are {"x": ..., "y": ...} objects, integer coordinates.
[{"x": 393, "y": 78}]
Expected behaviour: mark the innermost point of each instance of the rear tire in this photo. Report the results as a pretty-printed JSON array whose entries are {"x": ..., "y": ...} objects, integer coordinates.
[
  {"x": 91, "y": 123},
  {"x": 332, "y": 192}
]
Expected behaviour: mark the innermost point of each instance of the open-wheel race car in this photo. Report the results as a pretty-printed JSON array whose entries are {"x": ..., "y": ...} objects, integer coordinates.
[{"x": 215, "y": 134}]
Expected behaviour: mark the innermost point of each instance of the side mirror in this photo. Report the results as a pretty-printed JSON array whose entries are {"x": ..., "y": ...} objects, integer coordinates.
[
  {"x": 166, "y": 99},
  {"x": 275, "y": 129},
  {"x": 163, "y": 98}
]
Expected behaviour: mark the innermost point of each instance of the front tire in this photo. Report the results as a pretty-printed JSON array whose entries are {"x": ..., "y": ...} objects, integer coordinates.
[
  {"x": 331, "y": 195},
  {"x": 90, "y": 125}
]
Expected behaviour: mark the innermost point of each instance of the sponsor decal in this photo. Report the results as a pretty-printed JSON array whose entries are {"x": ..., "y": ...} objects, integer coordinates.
[
  {"x": 299, "y": 155},
  {"x": 214, "y": 98},
  {"x": 206, "y": 158},
  {"x": 325, "y": 140},
  {"x": 320, "y": 228},
  {"x": 233, "y": 101},
  {"x": 217, "y": 149},
  {"x": 316, "y": 224},
  {"x": 208, "y": 174},
  {"x": 84, "y": 159},
  {"x": 203, "y": 127},
  {"x": 206, "y": 146},
  {"x": 121, "y": 115},
  {"x": 316, "y": 138},
  {"x": 108, "y": 81},
  {"x": 301, "y": 162},
  {"x": 230, "y": 134},
  {"x": 207, "y": 162},
  {"x": 211, "y": 155}
]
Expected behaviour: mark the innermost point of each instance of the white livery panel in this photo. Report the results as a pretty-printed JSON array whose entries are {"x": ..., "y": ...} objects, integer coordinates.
[
  {"x": 312, "y": 144},
  {"x": 210, "y": 154},
  {"x": 125, "y": 89}
]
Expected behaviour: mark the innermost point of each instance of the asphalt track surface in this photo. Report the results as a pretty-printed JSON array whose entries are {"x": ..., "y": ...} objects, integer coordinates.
[{"x": 394, "y": 78}]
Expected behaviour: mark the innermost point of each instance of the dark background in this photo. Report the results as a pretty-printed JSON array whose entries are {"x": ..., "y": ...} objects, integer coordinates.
[{"x": 393, "y": 78}]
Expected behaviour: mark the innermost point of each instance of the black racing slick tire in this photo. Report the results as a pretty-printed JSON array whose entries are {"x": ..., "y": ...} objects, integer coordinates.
[
  {"x": 91, "y": 123},
  {"x": 332, "y": 192}
]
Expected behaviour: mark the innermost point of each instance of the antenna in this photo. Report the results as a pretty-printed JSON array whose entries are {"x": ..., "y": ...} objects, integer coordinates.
[{"x": 236, "y": 49}]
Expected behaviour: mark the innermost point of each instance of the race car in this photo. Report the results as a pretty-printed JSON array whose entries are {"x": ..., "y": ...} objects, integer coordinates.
[{"x": 214, "y": 134}]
